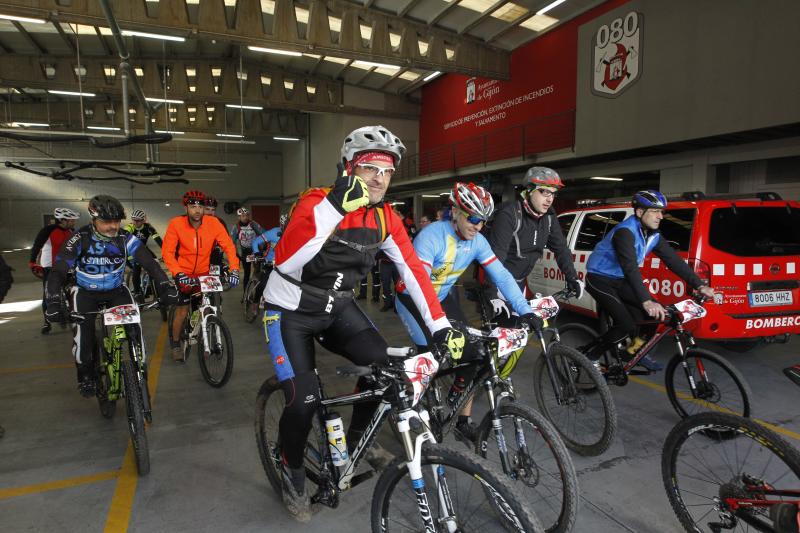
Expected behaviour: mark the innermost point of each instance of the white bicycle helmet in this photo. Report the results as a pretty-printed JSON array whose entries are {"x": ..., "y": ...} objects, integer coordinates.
[
  {"x": 371, "y": 138},
  {"x": 242, "y": 211},
  {"x": 138, "y": 214},
  {"x": 472, "y": 199},
  {"x": 64, "y": 213}
]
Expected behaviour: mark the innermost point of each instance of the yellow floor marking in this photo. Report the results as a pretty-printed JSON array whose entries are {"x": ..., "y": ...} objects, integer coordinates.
[
  {"x": 119, "y": 513},
  {"x": 56, "y": 485},
  {"x": 34, "y": 368},
  {"x": 773, "y": 427}
]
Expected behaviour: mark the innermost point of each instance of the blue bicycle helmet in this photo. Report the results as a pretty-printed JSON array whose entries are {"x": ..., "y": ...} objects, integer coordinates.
[{"x": 649, "y": 199}]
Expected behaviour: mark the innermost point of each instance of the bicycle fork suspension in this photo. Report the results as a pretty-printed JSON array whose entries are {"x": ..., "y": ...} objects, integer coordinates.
[
  {"x": 701, "y": 370},
  {"x": 497, "y": 429}
]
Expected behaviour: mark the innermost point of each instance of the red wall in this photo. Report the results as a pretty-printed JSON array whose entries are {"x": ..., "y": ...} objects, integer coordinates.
[
  {"x": 543, "y": 84},
  {"x": 266, "y": 215}
]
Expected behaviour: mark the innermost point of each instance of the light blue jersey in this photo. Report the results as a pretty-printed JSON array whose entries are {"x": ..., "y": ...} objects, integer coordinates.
[
  {"x": 445, "y": 257},
  {"x": 271, "y": 236}
]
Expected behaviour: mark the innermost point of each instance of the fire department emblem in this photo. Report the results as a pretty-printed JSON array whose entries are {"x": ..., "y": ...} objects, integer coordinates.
[
  {"x": 470, "y": 90},
  {"x": 617, "y": 55}
]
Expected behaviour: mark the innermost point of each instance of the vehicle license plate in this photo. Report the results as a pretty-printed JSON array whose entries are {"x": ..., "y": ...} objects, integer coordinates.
[{"x": 764, "y": 298}]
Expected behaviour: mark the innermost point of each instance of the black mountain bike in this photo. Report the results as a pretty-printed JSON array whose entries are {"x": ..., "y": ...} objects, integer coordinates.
[
  {"x": 116, "y": 377},
  {"x": 570, "y": 392},
  {"x": 432, "y": 488},
  {"x": 515, "y": 438},
  {"x": 252, "y": 298},
  {"x": 696, "y": 379}
]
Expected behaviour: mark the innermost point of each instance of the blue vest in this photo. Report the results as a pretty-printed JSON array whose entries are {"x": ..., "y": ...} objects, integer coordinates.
[{"x": 603, "y": 259}]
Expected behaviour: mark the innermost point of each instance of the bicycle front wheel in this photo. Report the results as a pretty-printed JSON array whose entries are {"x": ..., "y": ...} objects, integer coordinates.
[
  {"x": 133, "y": 402},
  {"x": 537, "y": 460},
  {"x": 719, "y": 386},
  {"x": 216, "y": 359},
  {"x": 585, "y": 417},
  {"x": 711, "y": 459},
  {"x": 457, "y": 492}
]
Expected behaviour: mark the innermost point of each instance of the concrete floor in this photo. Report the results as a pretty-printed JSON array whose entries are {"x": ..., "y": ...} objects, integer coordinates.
[{"x": 65, "y": 468}]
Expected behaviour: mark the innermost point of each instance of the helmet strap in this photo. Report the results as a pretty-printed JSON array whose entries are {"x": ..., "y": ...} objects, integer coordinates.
[{"x": 455, "y": 227}]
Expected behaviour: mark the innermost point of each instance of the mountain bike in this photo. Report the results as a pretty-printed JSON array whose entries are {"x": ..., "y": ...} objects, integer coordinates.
[
  {"x": 432, "y": 488},
  {"x": 696, "y": 379},
  {"x": 252, "y": 298},
  {"x": 570, "y": 392},
  {"x": 724, "y": 472},
  {"x": 205, "y": 328},
  {"x": 117, "y": 377},
  {"x": 516, "y": 439}
]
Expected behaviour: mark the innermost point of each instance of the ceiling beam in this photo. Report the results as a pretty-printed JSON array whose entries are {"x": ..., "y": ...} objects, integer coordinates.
[
  {"x": 442, "y": 12},
  {"x": 27, "y": 71},
  {"x": 392, "y": 78},
  {"x": 482, "y": 16},
  {"x": 64, "y": 37},
  {"x": 106, "y": 46},
  {"x": 473, "y": 56},
  {"x": 408, "y": 7},
  {"x": 511, "y": 25},
  {"x": 28, "y": 37}
]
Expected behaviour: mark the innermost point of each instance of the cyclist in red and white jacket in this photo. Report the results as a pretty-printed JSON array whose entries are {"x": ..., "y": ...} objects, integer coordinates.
[
  {"x": 328, "y": 246},
  {"x": 46, "y": 247}
]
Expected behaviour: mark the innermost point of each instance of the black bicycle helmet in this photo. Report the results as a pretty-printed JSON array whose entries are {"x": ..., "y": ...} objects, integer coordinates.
[
  {"x": 106, "y": 208},
  {"x": 211, "y": 201}
]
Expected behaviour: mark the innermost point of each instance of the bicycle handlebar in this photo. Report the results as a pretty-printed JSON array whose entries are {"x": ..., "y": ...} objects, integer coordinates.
[
  {"x": 74, "y": 316},
  {"x": 405, "y": 351}
]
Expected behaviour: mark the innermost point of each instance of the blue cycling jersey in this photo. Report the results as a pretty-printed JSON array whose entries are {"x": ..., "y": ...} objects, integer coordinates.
[
  {"x": 271, "y": 236},
  {"x": 445, "y": 256},
  {"x": 99, "y": 264}
]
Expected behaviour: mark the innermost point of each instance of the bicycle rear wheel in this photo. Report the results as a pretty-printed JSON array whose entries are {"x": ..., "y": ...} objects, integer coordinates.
[
  {"x": 719, "y": 385},
  {"x": 709, "y": 458},
  {"x": 216, "y": 359},
  {"x": 462, "y": 493},
  {"x": 538, "y": 462},
  {"x": 251, "y": 301},
  {"x": 133, "y": 402},
  {"x": 269, "y": 408},
  {"x": 586, "y": 417}
]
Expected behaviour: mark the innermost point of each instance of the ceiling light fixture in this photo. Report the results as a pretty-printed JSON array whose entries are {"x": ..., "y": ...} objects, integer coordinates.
[
  {"x": 132, "y": 33},
  {"x": 102, "y": 128},
  {"x": 605, "y": 178},
  {"x": 274, "y": 51},
  {"x": 236, "y": 106},
  {"x": 235, "y": 135},
  {"x": 550, "y": 6},
  {"x": 69, "y": 93},
  {"x": 377, "y": 65},
  {"x": 163, "y": 100},
  {"x": 293, "y": 139},
  {"x": 432, "y": 75},
  {"x": 29, "y": 125},
  {"x": 171, "y": 132},
  {"x": 22, "y": 19}
]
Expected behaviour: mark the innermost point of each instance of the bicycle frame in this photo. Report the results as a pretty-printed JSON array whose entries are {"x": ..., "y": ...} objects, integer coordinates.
[
  {"x": 332, "y": 478},
  {"x": 204, "y": 309}
]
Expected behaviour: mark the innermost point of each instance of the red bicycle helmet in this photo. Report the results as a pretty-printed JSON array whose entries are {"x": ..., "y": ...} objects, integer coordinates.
[{"x": 194, "y": 197}]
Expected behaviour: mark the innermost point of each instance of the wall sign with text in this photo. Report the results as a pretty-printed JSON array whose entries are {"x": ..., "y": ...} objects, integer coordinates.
[{"x": 617, "y": 55}]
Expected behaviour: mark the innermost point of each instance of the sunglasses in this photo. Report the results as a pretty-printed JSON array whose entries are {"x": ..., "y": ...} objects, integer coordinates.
[
  {"x": 473, "y": 219},
  {"x": 547, "y": 193},
  {"x": 374, "y": 170}
]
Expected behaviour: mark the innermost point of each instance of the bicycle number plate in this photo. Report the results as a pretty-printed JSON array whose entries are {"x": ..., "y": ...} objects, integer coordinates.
[
  {"x": 509, "y": 340},
  {"x": 210, "y": 283},
  {"x": 420, "y": 370},
  {"x": 213, "y": 270},
  {"x": 544, "y": 308},
  {"x": 764, "y": 298},
  {"x": 690, "y": 310},
  {"x": 251, "y": 258},
  {"x": 122, "y": 314}
]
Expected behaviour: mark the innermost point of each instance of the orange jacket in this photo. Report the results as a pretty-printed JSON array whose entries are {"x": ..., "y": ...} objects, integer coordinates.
[{"x": 188, "y": 250}]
